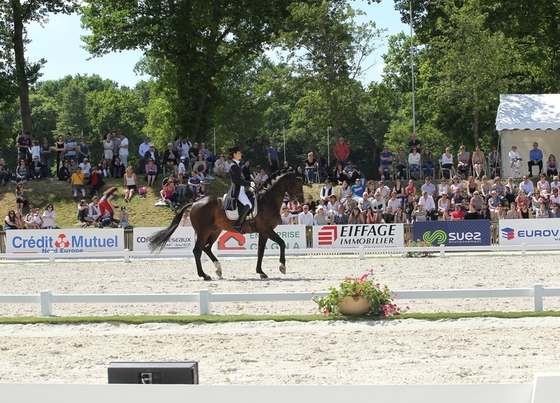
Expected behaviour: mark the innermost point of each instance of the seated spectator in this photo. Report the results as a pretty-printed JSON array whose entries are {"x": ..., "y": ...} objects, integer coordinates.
[
  {"x": 414, "y": 160},
  {"x": 411, "y": 188},
  {"x": 33, "y": 219},
  {"x": 118, "y": 168},
  {"x": 500, "y": 213},
  {"x": 260, "y": 178},
  {"x": 72, "y": 166},
  {"x": 181, "y": 185},
  {"x": 419, "y": 214},
  {"x": 457, "y": 213},
  {"x": 305, "y": 217},
  {"x": 36, "y": 169},
  {"x": 388, "y": 217},
  {"x": 95, "y": 181},
  {"x": 320, "y": 218},
  {"x": 485, "y": 187},
  {"x": 444, "y": 206},
  {"x": 124, "y": 218},
  {"x": 542, "y": 211},
  {"x": 401, "y": 159},
  {"x": 555, "y": 182},
  {"x": 524, "y": 211},
  {"x": 553, "y": 211},
  {"x": 522, "y": 198},
  {"x": 130, "y": 184},
  {"x": 311, "y": 204},
  {"x": 447, "y": 162},
  {"x": 515, "y": 159},
  {"x": 429, "y": 206},
  {"x": 428, "y": 162},
  {"x": 64, "y": 173},
  {"x": 349, "y": 203},
  {"x": 340, "y": 175},
  {"x": 356, "y": 216},
  {"x": 429, "y": 187},
  {"x": 49, "y": 217},
  {"x": 286, "y": 217},
  {"x": 400, "y": 216},
  {"x": 182, "y": 167},
  {"x": 477, "y": 201},
  {"x": 245, "y": 169},
  {"x": 5, "y": 174},
  {"x": 479, "y": 162},
  {"x": 510, "y": 190},
  {"x": 527, "y": 186},
  {"x": 153, "y": 155},
  {"x": 151, "y": 171},
  {"x": 472, "y": 214},
  {"x": 340, "y": 217},
  {"x": 10, "y": 221},
  {"x": 463, "y": 161},
  {"x": 513, "y": 213},
  {"x": 94, "y": 211},
  {"x": 551, "y": 166},
  {"x": 358, "y": 191},
  {"x": 326, "y": 191},
  {"x": 83, "y": 214},
  {"x": 494, "y": 162},
  {"x": 386, "y": 158},
  {"x": 168, "y": 192},
  {"x": 555, "y": 197},
  {"x": 22, "y": 172},
  {"x": 377, "y": 203},
  {"x": 200, "y": 166},
  {"x": 220, "y": 166},
  {"x": 21, "y": 197},
  {"x": 443, "y": 187},
  {"x": 472, "y": 187},
  {"x": 458, "y": 199},
  {"x": 104, "y": 168},
  {"x": 394, "y": 202},
  {"x": 78, "y": 182},
  {"x": 535, "y": 158},
  {"x": 499, "y": 188},
  {"x": 20, "y": 223},
  {"x": 171, "y": 158},
  {"x": 542, "y": 185},
  {"x": 409, "y": 207},
  {"x": 343, "y": 191},
  {"x": 385, "y": 191},
  {"x": 354, "y": 172},
  {"x": 193, "y": 153},
  {"x": 86, "y": 167},
  {"x": 311, "y": 166},
  {"x": 196, "y": 185},
  {"x": 332, "y": 205},
  {"x": 399, "y": 190}
]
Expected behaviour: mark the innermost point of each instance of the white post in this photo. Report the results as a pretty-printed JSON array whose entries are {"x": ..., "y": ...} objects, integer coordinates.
[
  {"x": 51, "y": 257},
  {"x": 523, "y": 249},
  {"x": 362, "y": 254},
  {"x": 546, "y": 387},
  {"x": 441, "y": 251},
  {"x": 538, "y": 297},
  {"x": 204, "y": 302},
  {"x": 126, "y": 256},
  {"x": 46, "y": 303}
]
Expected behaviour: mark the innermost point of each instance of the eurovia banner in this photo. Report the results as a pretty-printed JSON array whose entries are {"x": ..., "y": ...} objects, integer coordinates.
[
  {"x": 530, "y": 232},
  {"x": 453, "y": 233},
  {"x": 293, "y": 236},
  {"x": 64, "y": 241}
]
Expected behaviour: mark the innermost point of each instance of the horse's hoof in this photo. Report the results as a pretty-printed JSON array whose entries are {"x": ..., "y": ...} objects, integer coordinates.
[
  {"x": 207, "y": 277},
  {"x": 219, "y": 273},
  {"x": 282, "y": 268},
  {"x": 218, "y": 267},
  {"x": 263, "y": 276}
]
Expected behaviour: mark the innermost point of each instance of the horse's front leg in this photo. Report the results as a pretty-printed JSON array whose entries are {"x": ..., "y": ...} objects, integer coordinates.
[
  {"x": 262, "y": 243},
  {"x": 208, "y": 250},
  {"x": 276, "y": 238}
]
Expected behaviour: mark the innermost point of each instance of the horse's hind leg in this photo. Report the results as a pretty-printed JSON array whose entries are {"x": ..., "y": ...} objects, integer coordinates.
[
  {"x": 208, "y": 250},
  {"x": 276, "y": 238}
]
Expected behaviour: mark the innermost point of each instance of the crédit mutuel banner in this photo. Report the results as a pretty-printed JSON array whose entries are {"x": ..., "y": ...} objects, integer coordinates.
[
  {"x": 64, "y": 241},
  {"x": 530, "y": 232},
  {"x": 182, "y": 238},
  {"x": 293, "y": 236},
  {"x": 356, "y": 235}
]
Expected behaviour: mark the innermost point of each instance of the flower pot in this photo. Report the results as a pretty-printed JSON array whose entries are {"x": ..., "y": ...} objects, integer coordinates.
[{"x": 349, "y": 306}]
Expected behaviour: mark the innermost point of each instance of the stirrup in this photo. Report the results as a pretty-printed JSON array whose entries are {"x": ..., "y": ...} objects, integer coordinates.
[{"x": 239, "y": 228}]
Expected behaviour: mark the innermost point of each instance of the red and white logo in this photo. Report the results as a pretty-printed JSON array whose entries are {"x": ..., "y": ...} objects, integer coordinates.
[
  {"x": 62, "y": 241},
  {"x": 327, "y": 235}
]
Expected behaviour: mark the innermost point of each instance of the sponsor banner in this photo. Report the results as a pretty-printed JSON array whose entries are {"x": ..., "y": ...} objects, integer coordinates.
[
  {"x": 182, "y": 238},
  {"x": 453, "y": 233},
  {"x": 64, "y": 241},
  {"x": 293, "y": 236},
  {"x": 354, "y": 236},
  {"x": 530, "y": 232}
]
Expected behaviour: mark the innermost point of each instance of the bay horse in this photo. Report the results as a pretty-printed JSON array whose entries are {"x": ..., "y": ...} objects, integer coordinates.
[{"x": 209, "y": 220}]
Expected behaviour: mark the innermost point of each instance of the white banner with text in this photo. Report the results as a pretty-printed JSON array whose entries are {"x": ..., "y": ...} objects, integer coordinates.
[
  {"x": 356, "y": 235},
  {"x": 530, "y": 232}
]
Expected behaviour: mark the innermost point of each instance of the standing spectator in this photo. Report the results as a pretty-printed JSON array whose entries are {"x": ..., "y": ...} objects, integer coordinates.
[
  {"x": 4, "y": 172},
  {"x": 151, "y": 171},
  {"x": 386, "y": 158},
  {"x": 551, "y": 166},
  {"x": 78, "y": 182},
  {"x": 414, "y": 160},
  {"x": 21, "y": 197},
  {"x": 35, "y": 149},
  {"x": 107, "y": 147},
  {"x": 494, "y": 162},
  {"x": 193, "y": 153},
  {"x": 36, "y": 169},
  {"x": 401, "y": 160},
  {"x": 123, "y": 149},
  {"x": 478, "y": 161},
  {"x": 49, "y": 217},
  {"x": 22, "y": 172},
  {"x": 427, "y": 161},
  {"x": 535, "y": 158},
  {"x": 23, "y": 145},
  {"x": 130, "y": 184},
  {"x": 10, "y": 221},
  {"x": 515, "y": 159},
  {"x": 46, "y": 158},
  {"x": 185, "y": 147},
  {"x": 118, "y": 168},
  {"x": 143, "y": 148},
  {"x": 70, "y": 147},
  {"x": 341, "y": 151},
  {"x": 64, "y": 173},
  {"x": 463, "y": 161},
  {"x": 414, "y": 143},
  {"x": 82, "y": 150},
  {"x": 60, "y": 147},
  {"x": 116, "y": 142},
  {"x": 95, "y": 181},
  {"x": 272, "y": 155},
  {"x": 245, "y": 170}
]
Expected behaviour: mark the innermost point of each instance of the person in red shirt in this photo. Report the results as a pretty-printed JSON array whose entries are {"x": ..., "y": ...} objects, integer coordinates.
[
  {"x": 341, "y": 151},
  {"x": 458, "y": 214}
]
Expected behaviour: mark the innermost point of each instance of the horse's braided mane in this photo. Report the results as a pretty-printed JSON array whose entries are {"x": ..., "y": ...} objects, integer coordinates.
[{"x": 273, "y": 177}]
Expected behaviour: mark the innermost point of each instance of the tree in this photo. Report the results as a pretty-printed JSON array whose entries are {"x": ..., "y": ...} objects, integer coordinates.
[
  {"x": 15, "y": 14},
  {"x": 187, "y": 44}
]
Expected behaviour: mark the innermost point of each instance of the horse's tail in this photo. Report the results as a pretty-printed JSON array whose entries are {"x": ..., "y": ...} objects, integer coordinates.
[{"x": 157, "y": 241}]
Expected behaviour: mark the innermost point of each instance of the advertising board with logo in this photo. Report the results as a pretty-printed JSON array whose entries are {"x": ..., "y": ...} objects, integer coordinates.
[
  {"x": 64, "y": 241},
  {"x": 453, "y": 233},
  {"x": 530, "y": 232},
  {"x": 293, "y": 236},
  {"x": 355, "y": 236},
  {"x": 182, "y": 238}
]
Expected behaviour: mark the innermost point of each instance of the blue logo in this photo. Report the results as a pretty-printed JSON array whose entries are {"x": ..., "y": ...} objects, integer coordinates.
[{"x": 508, "y": 233}]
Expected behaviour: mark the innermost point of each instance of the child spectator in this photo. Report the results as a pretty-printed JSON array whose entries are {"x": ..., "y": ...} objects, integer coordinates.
[
  {"x": 123, "y": 218},
  {"x": 35, "y": 150},
  {"x": 36, "y": 169}
]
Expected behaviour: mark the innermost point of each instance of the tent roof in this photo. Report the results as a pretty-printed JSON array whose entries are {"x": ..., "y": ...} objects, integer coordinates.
[{"x": 528, "y": 112}]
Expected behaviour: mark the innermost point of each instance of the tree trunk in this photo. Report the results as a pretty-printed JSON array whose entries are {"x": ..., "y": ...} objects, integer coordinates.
[
  {"x": 19, "y": 52},
  {"x": 476, "y": 124}
]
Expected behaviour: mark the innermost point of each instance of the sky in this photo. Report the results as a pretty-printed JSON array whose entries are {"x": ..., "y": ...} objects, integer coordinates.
[{"x": 59, "y": 43}]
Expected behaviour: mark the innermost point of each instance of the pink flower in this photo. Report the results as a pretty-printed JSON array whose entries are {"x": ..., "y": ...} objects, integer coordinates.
[
  {"x": 325, "y": 312},
  {"x": 312, "y": 293}
]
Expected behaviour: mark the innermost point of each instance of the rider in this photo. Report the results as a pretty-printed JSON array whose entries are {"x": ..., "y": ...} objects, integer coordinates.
[{"x": 236, "y": 192}]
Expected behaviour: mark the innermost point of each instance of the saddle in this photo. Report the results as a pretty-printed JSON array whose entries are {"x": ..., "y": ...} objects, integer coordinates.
[{"x": 234, "y": 214}]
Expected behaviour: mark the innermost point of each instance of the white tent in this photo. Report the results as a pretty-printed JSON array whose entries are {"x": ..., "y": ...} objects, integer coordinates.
[{"x": 523, "y": 119}]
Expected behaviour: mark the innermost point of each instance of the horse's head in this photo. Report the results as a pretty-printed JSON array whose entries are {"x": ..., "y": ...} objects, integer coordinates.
[{"x": 294, "y": 186}]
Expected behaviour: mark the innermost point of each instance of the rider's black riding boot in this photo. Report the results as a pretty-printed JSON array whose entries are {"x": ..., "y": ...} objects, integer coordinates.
[{"x": 239, "y": 226}]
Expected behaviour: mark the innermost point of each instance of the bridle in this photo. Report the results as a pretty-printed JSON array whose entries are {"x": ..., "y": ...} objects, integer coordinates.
[{"x": 293, "y": 197}]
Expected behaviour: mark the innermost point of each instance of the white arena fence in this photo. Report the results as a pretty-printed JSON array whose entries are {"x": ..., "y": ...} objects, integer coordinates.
[
  {"x": 545, "y": 388},
  {"x": 205, "y": 298}
]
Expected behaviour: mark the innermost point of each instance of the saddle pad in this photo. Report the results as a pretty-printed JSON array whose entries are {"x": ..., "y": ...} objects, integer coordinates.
[{"x": 234, "y": 214}]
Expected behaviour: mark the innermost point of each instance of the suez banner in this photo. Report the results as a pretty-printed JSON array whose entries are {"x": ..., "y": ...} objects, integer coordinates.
[
  {"x": 530, "y": 232},
  {"x": 354, "y": 236},
  {"x": 293, "y": 236},
  {"x": 453, "y": 233},
  {"x": 64, "y": 241},
  {"x": 182, "y": 238}
]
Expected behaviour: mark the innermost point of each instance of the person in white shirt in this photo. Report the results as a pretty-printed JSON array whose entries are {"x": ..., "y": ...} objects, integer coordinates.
[
  {"x": 305, "y": 217},
  {"x": 515, "y": 159},
  {"x": 393, "y": 202},
  {"x": 326, "y": 191},
  {"x": 429, "y": 187},
  {"x": 181, "y": 167},
  {"x": 429, "y": 205},
  {"x": 527, "y": 186},
  {"x": 123, "y": 149},
  {"x": 86, "y": 167},
  {"x": 555, "y": 184},
  {"x": 555, "y": 198}
]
